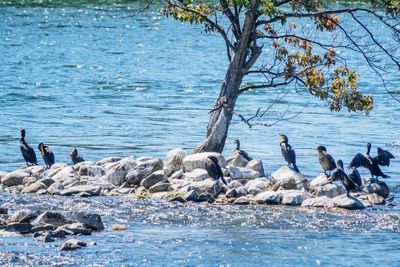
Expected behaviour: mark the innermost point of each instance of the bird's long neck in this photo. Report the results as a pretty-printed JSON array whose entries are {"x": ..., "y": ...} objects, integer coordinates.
[
  {"x": 237, "y": 146},
  {"x": 22, "y": 140},
  {"x": 368, "y": 150}
]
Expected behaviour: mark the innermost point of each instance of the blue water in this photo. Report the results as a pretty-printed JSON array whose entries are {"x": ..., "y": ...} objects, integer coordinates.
[{"x": 96, "y": 78}]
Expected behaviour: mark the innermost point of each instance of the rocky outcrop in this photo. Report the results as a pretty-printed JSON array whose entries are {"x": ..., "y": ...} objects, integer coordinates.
[{"x": 287, "y": 179}]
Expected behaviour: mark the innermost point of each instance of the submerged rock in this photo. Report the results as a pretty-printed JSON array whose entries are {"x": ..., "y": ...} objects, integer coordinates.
[
  {"x": 119, "y": 227},
  {"x": 73, "y": 244},
  {"x": 90, "y": 220},
  {"x": 50, "y": 217}
]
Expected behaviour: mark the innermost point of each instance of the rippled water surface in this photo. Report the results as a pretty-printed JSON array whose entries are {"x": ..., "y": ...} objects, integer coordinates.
[{"x": 96, "y": 78}]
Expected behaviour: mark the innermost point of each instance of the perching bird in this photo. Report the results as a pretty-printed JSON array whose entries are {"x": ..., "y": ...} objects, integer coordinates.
[
  {"x": 27, "y": 151},
  {"x": 372, "y": 163},
  {"x": 47, "y": 155},
  {"x": 288, "y": 152},
  {"x": 326, "y": 160},
  {"x": 213, "y": 169},
  {"x": 75, "y": 157},
  {"x": 241, "y": 152},
  {"x": 339, "y": 175}
]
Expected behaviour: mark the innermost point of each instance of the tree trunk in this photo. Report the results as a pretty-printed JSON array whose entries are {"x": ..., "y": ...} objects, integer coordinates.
[{"x": 220, "y": 119}]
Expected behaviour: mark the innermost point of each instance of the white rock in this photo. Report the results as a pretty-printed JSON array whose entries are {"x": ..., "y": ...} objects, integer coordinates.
[
  {"x": 256, "y": 165},
  {"x": 257, "y": 185},
  {"x": 33, "y": 188},
  {"x": 237, "y": 160},
  {"x": 293, "y": 197},
  {"x": 195, "y": 161},
  {"x": 329, "y": 190},
  {"x": 95, "y": 171},
  {"x": 174, "y": 161},
  {"x": 92, "y": 190},
  {"x": 234, "y": 184},
  {"x": 55, "y": 188},
  {"x": 242, "y": 173},
  {"x": 323, "y": 201},
  {"x": 209, "y": 185},
  {"x": 196, "y": 175},
  {"x": 14, "y": 178},
  {"x": 321, "y": 180},
  {"x": 284, "y": 176},
  {"x": 269, "y": 197},
  {"x": 66, "y": 172},
  {"x": 107, "y": 160}
]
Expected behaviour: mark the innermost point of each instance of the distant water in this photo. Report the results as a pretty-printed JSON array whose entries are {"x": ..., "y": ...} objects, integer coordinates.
[{"x": 95, "y": 78}]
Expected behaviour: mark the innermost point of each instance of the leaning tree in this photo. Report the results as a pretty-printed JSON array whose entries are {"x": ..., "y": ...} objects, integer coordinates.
[{"x": 314, "y": 57}]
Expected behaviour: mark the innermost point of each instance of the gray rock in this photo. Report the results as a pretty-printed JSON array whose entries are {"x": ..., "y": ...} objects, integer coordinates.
[
  {"x": 73, "y": 244},
  {"x": 235, "y": 184},
  {"x": 191, "y": 196},
  {"x": 323, "y": 201},
  {"x": 93, "y": 171},
  {"x": 3, "y": 210},
  {"x": 196, "y": 175},
  {"x": 75, "y": 229},
  {"x": 22, "y": 216},
  {"x": 242, "y": 201},
  {"x": 159, "y": 187},
  {"x": 55, "y": 188},
  {"x": 237, "y": 160},
  {"x": 195, "y": 161},
  {"x": 49, "y": 217},
  {"x": 330, "y": 190},
  {"x": 91, "y": 190},
  {"x": 177, "y": 175},
  {"x": 174, "y": 161},
  {"x": 346, "y": 202},
  {"x": 43, "y": 227},
  {"x": 286, "y": 178},
  {"x": 117, "y": 174},
  {"x": 242, "y": 173},
  {"x": 4, "y": 233},
  {"x": 144, "y": 169},
  {"x": 320, "y": 181},
  {"x": 45, "y": 237},
  {"x": 258, "y": 185},
  {"x": 154, "y": 178},
  {"x": 23, "y": 228},
  {"x": 108, "y": 160},
  {"x": 293, "y": 197},
  {"x": 231, "y": 193},
  {"x": 378, "y": 187},
  {"x": 14, "y": 178},
  {"x": 64, "y": 174},
  {"x": 211, "y": 186},
  {"x": 206, "y": 197},
  {"x": 33, "y": 188},
  {"x": 241, "y": 191},
  {"x": 376, "y": 199},
  {"x": 256, "y": 165},
  {"x": 90, "y": 220},
  {"x": 268, "y": 197},
  {"x": 47, "y": 181},
  {"x": 27, "y": 181}
]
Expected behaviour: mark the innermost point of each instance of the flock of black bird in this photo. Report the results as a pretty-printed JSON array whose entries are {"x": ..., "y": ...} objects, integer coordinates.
[
  {"x": 48, "y": 156},
  {"x": 336, "y": 171}
]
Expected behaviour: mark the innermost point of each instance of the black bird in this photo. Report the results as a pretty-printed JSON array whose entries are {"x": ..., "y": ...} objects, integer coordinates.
[
  {"x": 288, "y": 152},
  {"x": 356, "y": 177},
  {"x": 47, "y": 155},
  {"x": 372, "y": 163},
  {"x": 75, "y": 157},
  {"x": 213, "y": 169},
  {"x": 27, "y": 151},
  {"x": 326, "y": 160},
  {"x": 339, "y": 175},
  {"x": 241, "y": 152}
]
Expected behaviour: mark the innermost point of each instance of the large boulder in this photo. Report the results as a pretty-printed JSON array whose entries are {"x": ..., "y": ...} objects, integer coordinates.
[
  {"x": 346, "y": 202},
  {"x": 154, "y": 178},
  {"x": 319, "y": 181},
  {"x": 22, "y": 216},
  {"x": 257, "y": 185},
  {"x": 256, "y": 165},
  {"x": 286, "y": 178},
  {"x": 293, "y": 197},
  {"x": 14, "y": 178},
  {"x": 89, "y": 190},
  {"x": 64, "y": 173},
  {"x": 323, "y": 202},
  {"x": 269, "y": 197},
  {"x": 118, "y": 172},
  {"x": 209, "y": 185},
  {"x": 195, "y": 161},
  {"x": 145, "y": 167},
  {"x": 242, "y": 173},
  {"x": 196, "y": 175},
  {"x": 73, "y": 244},
  {"x": 244, "y": 200},
  {"x": 174, "y": 161},
  {"x": 330, "y": 190},
  {"x": 159, "y": 187},
  {"x": 55, "y": 188}
]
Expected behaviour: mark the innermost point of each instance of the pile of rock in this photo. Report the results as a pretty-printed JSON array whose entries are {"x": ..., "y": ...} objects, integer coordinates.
[
  {"x": 48, "y": 226},
  {"x": 182, "y": 177}
]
